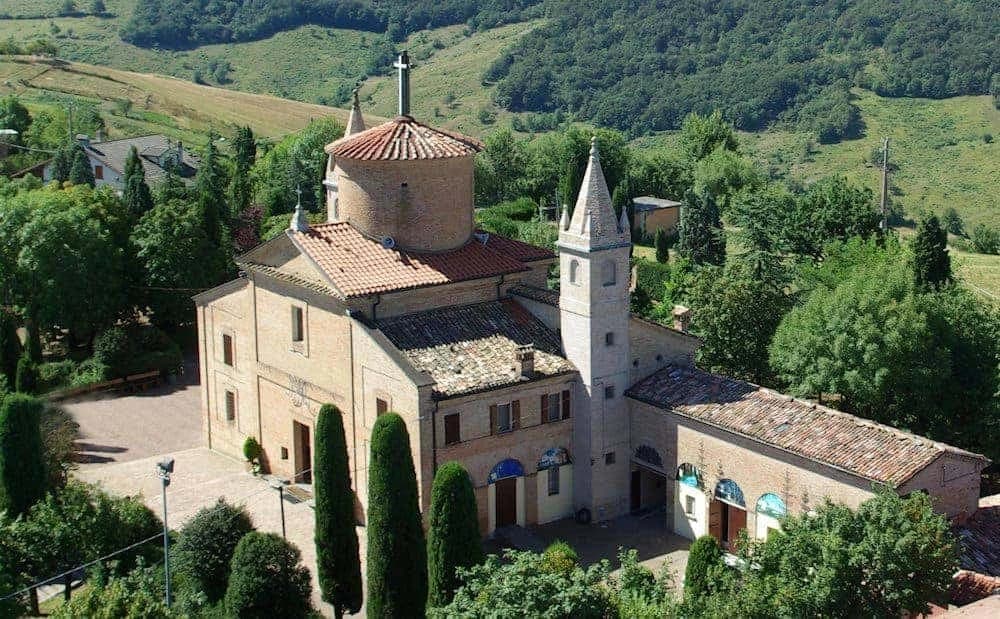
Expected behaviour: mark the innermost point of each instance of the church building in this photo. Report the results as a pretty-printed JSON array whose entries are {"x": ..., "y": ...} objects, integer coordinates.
[{"x": 559, "y": 403}]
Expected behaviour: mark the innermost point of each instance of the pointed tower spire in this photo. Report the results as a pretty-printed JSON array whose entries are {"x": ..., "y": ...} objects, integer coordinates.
[
  {"x": 624, "y": 226},
  {"x": 300, "y": 222},
  {"x": 564, "y": 220},
  {"x": 594, "y": 225},
  {"x": 355, "y": 122}
]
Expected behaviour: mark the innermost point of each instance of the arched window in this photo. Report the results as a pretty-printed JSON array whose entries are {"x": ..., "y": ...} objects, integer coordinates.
[
  {"x": 574, "y": 271},
  {"x": 771, "y": 505},
  {"x": 730, "y": 492},
  {"x": 608, "y": 273},
  {"x": 504, "y": 469},
  {"x": 689, "y": 475}
]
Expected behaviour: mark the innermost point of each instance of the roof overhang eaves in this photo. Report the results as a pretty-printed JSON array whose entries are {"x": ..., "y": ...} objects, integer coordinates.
[{"x": 442, "y": 396}]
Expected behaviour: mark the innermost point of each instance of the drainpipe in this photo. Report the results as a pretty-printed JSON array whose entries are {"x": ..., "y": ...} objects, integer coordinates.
[
  {"x": 354, "y": 402},
  {"x": 434, "y": 443},
  {"x": 378, "y": 300}
]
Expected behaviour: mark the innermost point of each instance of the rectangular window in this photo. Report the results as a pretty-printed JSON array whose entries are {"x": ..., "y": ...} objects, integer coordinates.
[
  {"x": 553, "y": 480},
  {"x": 504, "y": 421},
  {"x": 452, "y": 431},
  {"x": 381, "y": 407},
  {"x": 609, "y": 392},
  {"x": 609, "y": 338},
  {"x": 98, "y": 173},
  {"x": 298, "y": 325},
  {"x": 609, "y": 458},
  {"x": 505, "y": 417},
  {"x": 284, "y": 453},
  {"x": 227, "y": 350},
  {"x": 689, "y": 505},
  {"x": 230, "y": 406},
  {"x": 565, "y": 404}
]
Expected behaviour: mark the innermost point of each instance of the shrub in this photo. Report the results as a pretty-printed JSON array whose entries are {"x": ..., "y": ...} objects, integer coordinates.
[
  {"x": 114, "y": 349},
  {"x": 27, "y": 375},
  {"x": 704, "y": 560},
  {"x": 55, "y": 374},
  {"x": 522, "y": 209},
  {"x": 252, "y": 450},
  {"x": 953, "y": 222},
  {"x": 397, "y": 555},
  {"x": 338, "y": 561},
  {"x": 59, "y": 432},
  {"x": 496, "y": 223},
  {"x": 662, "y": 245},
  {"x": 207, "y": 543},
  {"x": 559, "y": 558},
  {"x": 651, "y": 277},
  {"x": 985, "y": 240},
  {"x": 22, "y": 465},
  {"x": 89, "y": 372},
  {"x": 10, "y": 347},
  {"x": 453, "y": 538},
  {"x": 267, "y": 579}
]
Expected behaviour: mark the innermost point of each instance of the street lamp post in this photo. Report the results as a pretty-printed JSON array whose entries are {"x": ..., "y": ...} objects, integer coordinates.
[
  {"x": 165, "y": 467},
  {"x": 279, "y": 485}
]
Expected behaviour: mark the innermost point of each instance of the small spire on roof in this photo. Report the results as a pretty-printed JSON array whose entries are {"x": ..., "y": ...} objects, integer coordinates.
[
  {"x": 300, "y": 222},
  {"x": 564, "y": 220},
  {"x": 594, "y": 223},
  {"x": 623, "y": 223},
  {"x": 355, "y": 122}
]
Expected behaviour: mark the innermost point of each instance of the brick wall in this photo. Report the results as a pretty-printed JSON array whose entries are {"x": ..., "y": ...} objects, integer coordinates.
[{"x": 952, "y": 481}]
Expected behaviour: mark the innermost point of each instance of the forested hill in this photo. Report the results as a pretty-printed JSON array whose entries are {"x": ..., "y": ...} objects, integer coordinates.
[
  {"x": 641, "y": 65},
  {"x": 178, "y": 24}
]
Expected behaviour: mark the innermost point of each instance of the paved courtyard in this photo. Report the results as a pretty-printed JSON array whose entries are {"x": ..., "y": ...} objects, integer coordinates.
[{"x": 122, "y": 439}]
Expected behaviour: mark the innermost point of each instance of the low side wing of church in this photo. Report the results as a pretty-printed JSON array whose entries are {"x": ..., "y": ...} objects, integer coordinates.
[{"x": 559, "y": 403}]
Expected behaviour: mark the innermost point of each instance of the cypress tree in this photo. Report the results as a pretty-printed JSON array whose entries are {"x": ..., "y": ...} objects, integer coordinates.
[
  {"x": 22, "y": 464},
  {"x": 62, "y": 163},
  {"x": 137, "y": 197},
  {"x": 244, "y": 156},
  {"x": 931, "y": 262},
  {"x": 453, "y": 539},
  {"x": 662, "y": 246},
  {"x": 80, "y": 173},
  {"x": 702, "y": 238},
  {"x": 10, "y": 348},
  {"x": 397, "y": 556},
  {"x": 26, "y": 380},
  {"x": 703, "y": 559},
  {"x": 338, "y": 562}
]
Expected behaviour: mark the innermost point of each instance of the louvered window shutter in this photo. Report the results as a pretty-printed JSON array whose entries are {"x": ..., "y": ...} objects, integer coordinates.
[
  {"x": 565, "y": 404},
  {"x": 515, "y": 415},
  {"x": 493, "y": 419},
  {"x": 545, "y": 407}
]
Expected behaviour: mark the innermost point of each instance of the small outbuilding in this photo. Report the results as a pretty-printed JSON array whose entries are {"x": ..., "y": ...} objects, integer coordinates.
[{"x": 652, "y": 213}]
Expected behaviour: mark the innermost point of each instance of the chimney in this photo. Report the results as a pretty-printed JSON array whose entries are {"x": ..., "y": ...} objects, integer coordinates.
[
  {"x": 524, "y": 358},
  {"x": 682, "y": 318},
  {"x": 403, "y": 64}
]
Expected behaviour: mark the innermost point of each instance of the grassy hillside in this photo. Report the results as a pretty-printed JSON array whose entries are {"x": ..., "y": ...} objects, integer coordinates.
[{"x": 177, "y": 108}]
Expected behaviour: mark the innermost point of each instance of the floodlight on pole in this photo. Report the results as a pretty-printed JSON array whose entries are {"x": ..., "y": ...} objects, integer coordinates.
[
  {"x": 165, "y": 468},
  {"x": 279, "y": 485}
]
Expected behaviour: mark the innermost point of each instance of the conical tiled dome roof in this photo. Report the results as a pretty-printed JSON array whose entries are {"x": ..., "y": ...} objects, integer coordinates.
[{"x": 404, "y": 139}]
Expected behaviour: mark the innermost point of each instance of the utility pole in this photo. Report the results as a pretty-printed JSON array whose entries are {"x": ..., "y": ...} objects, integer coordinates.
[
  {"x": 884, "y": 205},
  {"x": 279, "y": 485}
]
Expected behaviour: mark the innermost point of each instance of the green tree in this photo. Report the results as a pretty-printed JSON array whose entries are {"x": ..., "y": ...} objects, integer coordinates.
[
  {"x": 736, "y": 314},
  {"x": 209, "y": 186},
  {"x": 22, "y": 464},
  {"x": 296, "y": 161},
  {"x": 830, "y": 209},
  {"x": 662, "y": 246},
  {"x": 338, "y": 562},
  {"x": 97, "y": 8},
  {"x": 522, "y": 586},
  {"x": 704, "y": 564},
  {"x": 985, "y": 240},
  {"x": 62, "y": 163},
  {"x": 14, "y": 116},
  {"x": 267, "y": 579},
  {"x": 700, "y": 135},
  {"x": 723, "y": 173},
  {"x": 176, "y": 252},
  {"x": 206, "y": 545},
  {"x": 453, "y": 538},
  {"x": 81, "y": 172},
  {"x": 931, "y": 263},
  {"x": 140, "y": 593},
  {"x": 702, "y": 239},
  {"x": 137, "y": 197},
  {"x": 244, "y": 157},
  {"x": 397, "y": 555},
  {"x": 499, "y": 169},
  {"x": 953, "y": 222}
]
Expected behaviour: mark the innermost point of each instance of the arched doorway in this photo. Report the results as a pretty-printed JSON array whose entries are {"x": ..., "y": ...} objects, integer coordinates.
[
  {"x": 690, "y": 504},
  {"x": 506, "y": 494},
  {"x": 770, "y": 510},
  {"x": 727, "y": 514},
  {"x": 649, "y": 488}
]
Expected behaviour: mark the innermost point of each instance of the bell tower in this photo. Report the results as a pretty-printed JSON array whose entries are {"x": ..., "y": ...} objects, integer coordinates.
[{"x": 594, "y": 248}]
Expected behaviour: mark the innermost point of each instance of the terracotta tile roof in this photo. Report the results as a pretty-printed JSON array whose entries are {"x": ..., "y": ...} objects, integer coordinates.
[
  {"x": 867, "y": 449},
  {"x": 358, "y": 266},
  {"x": 979, "y": 537},
  {"x": 968, "y": 587},
  {"x": 404, "y": 139},
  {"x": 471, "y": 348},
  {"x": 542, "y": 295}
]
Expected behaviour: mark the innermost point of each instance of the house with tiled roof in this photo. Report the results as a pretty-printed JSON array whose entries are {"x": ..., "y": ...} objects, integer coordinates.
[
  {"x": 559, "y": 402},
  {"x": 158, "y": 153}
]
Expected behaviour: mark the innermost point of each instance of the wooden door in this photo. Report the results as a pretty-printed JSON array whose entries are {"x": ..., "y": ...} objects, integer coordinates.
[
  {"x": 506, "y": 491},
  {"x": 737, "y": 522},
  {"x": 715, "y": 509},
  {"x": 636, "y": 490},
  {"x": 304, "y": 465}
]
